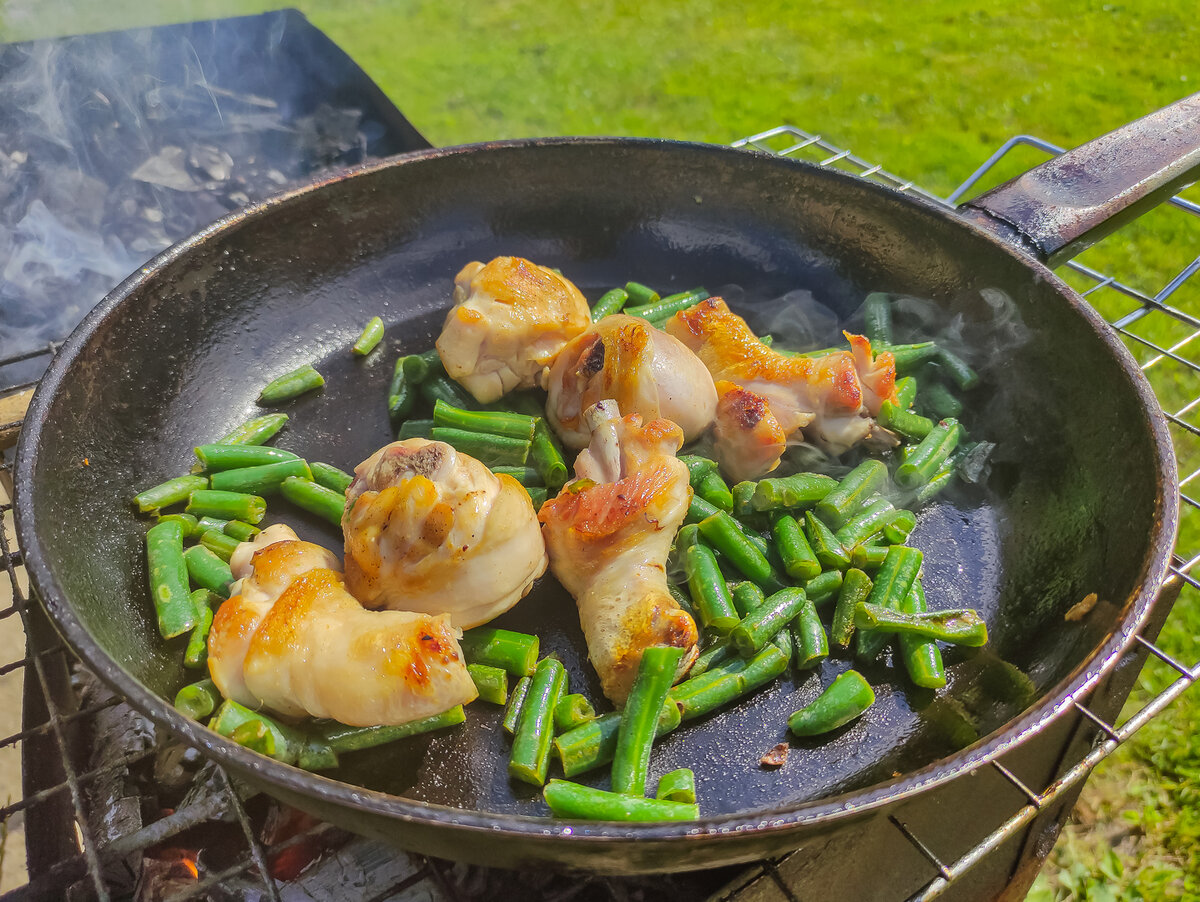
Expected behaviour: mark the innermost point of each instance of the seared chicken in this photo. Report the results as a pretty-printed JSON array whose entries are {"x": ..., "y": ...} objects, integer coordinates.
[
  {"x": 747, "y": 439},
  {"x": 292, "y": 639},
  {"x": 643, "y": 369},
  {"x": 609, "y": 537},
  {"x": 823, "y": 395},
  {"x": 509, "y": 320},
  {"x": 430, "y": 529}
]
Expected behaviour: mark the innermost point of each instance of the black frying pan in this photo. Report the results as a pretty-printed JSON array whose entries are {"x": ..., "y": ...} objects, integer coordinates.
[{"x": 176, "y": 355}]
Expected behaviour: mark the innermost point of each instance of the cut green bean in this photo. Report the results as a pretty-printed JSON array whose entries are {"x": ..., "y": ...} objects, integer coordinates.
[
  {"x": 289, "y": 745},
  {"x": 723, "y": 533},
  {"x": 855, "y": 488},
  {"x": 824, "y": 586},
  {"x": 928, "y": 456},
  {"x": 168, "y": 572},
  {"x": 868, "y": 557},
  {"x": 699, "y": 509},
  {"x": 227, "y": 505},
  {"x": 257, "y": 431},
  {"x": 243, "y": 532},
  {"x": 909, "y": 357},
  {"x": 333, "y": 478},
  {"x": 372, "y": 334},
  {"x": 825, "y": 546},
  {"x": 527, "y": 476},
  {"x": 419, "y": 367},
  {"x": 204, "y": 524},
  {"x": 515, "y": 700},
  {"x": 892, "y": 583},
  {"x": 856, "y": 588},
  {"x": 715, "y": 654},
  {"x": 658, "y": 312},
  {"x": 612, "y": 301},
  {"x": 571, "y": 800},
  {"x": 198, "y": 700},
  {"x": 761, "y": 625},
  {"x": 256, "y": 736},
  {"x": 170, "y": 492},
  {"x": 187, "y": 523},
  {"x": 922, "y": 657},
  {"x": 530, "y": 754},
  {"x": 962, "y": 626},
  {"x": 490, "y": 682},
  {"x": 962, "y": 374},
  {"x": 867, "y": 523},
  {"x": 291, "y": 385},
  {"x": 342, "y": 738},
  {"x": 684, "y": 602},
  {"x": 912, "y": 426},
  {"x": 799, "y": 560},
  {"x": 640, "y": 294},
  {"x": 698, "y": 467},
  {"x": 677, "y": 786},
  {"x": 877, "y": 318},
  {"x": 215, "y": 458},
  {"x": 264, "y": 480},
  {"x": 712, "y": 488},
  {"x": 906, "y": 392},
  {"x": 710, "y": 691},
  {"x": 572, "y": 711},
  {"x": 207, "y": 570},
  {"x": 594, "y": 743},
  {"x": 812, "y": 644},
  {"x": 743, "y": 498},
  {"x": 218, "y": 543},
  {"x": 415, "y": 429},
  {"x": 710, "y": 594},
  {"x": 785, "y": 642},
  {"x": 492, "y": 422},
  {"x": 791, "y": 492},
  {"x": 548, "y": 456},
  {"x": 516, "y": 653},
  {"x": 537, "y": 495},
  {"x": 442, "y": 388},
  {"x": 899, "y": 526},
  {"x": 488, "y": 449},
  {"x": 316, "y": 499},
  {"x": 938, "y": 401},
  {"x": 847, "y": 698},
  {"x": 747, "y": 596},
  {"x": 639, "y": 718},
  {"x": 402, "y": 395}
]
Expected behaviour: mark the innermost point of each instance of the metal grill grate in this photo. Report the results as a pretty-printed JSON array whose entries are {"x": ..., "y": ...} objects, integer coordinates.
[{"x": 1160, "y": 335}]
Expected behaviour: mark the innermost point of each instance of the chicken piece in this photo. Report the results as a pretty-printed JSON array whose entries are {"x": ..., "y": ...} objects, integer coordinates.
[
  {"x": 292, "y": 639},
  {"x": 747, "y": 439},
  {"x": 823, "y": 395},
  {"x": 509, "y": 320},
  {"x": 430, "y": 529},
  {"x": 643, "y": 369},
  {"x": 609, "y": 541}
]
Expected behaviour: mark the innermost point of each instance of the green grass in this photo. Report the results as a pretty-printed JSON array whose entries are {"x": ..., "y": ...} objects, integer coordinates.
[{"x": 929, "y": 90}]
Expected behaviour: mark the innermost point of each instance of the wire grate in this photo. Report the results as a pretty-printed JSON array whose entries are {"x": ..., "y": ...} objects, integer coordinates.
[{"x": 1157, "y": 330}]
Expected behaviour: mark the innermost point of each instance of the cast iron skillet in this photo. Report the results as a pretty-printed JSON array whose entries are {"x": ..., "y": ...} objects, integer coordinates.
[{"x": 177, "y": 353}]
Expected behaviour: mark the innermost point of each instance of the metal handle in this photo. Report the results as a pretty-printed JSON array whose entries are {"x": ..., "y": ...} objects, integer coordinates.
[{"x": 1066, "y": 205}]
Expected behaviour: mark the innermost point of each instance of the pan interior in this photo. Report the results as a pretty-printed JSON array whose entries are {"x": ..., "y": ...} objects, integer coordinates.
[{"x": 179, "y": 361}]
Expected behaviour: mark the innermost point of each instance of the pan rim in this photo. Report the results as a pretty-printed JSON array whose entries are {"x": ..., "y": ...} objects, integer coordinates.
[{"x": 777, "y": 821}]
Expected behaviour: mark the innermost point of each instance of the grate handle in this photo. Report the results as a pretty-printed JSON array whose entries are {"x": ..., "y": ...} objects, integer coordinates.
[{"x": 1066, "y": 205}]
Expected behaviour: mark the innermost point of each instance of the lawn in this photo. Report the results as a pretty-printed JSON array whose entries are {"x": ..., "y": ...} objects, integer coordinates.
[{"x": 930, "y": 93}]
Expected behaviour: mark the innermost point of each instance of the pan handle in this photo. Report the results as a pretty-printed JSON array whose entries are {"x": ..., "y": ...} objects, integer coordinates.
[{"x": 1066, "y": 205}]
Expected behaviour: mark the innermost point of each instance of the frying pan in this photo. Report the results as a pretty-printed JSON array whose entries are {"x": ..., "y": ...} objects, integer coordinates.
[{"x": 176, "y": 354}]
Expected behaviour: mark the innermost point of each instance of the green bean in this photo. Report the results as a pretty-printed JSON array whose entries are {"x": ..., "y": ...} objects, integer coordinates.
[
  {"x": 899, "y": 526},
  {"x": 677, "y": 786},
  {"x": 877, "y": 317},
  {"x": 912, "y": 426},
  {"x": 170, "y": 492},
  {"x": 516, "y": 699},
  {"x": 612, "y": 301},
  {"x": 262, "y": 480},
  {"x": 799, "y": 559},
  {"x": 419, "y": 367},
  {"x": 909, "y": 357},
  {"x": 938, "y": 401},
  {"x": 922, "y": 658},
  {"x": 527, "y": 476},
  {"x": 402, "y": 395},
  {"x": 712, "y": 488},
  {"x": 825, "y": 546},
  {"x": 169, "y": 580},
  {"x": 572, "y": 711},
  {"x": 372, "y": 334},
  {"x": 962, "y": 374},
  {"x": 257, "y": 431},
  {"x": 698, "y": 467},
  {"x": 723, "y": 533},
  {"x": 719, "y": 686},
  {"x": 331, "y": 477},
  {"x": 187, "y": 523},
  {"x": 488, "y": 449},
  {"x": 289, "y": 744},
  {"x": 548, "y": 456},
  {"x": 316, "y": 499},
  {"x": 490, "y": 682},
  {"x": 198, "y": 700},
  {"x": 639, "y": 718},
  {"x": 824, "y": 586},
  {"x": 492, "y": 422},
  {"x": 640, "y": 294},
  {"x": 746, "y": 597},
  {"x": 715, "y": 654},
  {"x": 812, "y": 644},
  {"x": 856, "y": 588},
  {"x": 868, "y": 557},
  {"x": 291, "y": 385},
  {"x": 855, "y": 488},
  {"x": 516, "y": 653},
  {"x": 243, "y": 532},
  {"x": 415, "y": 429},
  {"x": 207, "y": 570},
  {"x": 234, "y": 457},
  {"x": 660, "y": 311},
  {"x": 204, "y": 524},
  {"x": 785, "y": 642},
  {"x": 906, "y": 392},
  {"x": 847, "y": 698},
  {"x": 958, "y": 627},
  {"x": 342, "y": 738},
  {"x": 218, "y": 543},
  {"x": 761, "y": 624},
  {"x": 594, "y": 743},
  {"x": 227, "y": 505},
  {"x": 800, "y": 490},
  {"x": 710, "y": 594},
  {"x": 572, "y": 800},
  {"x": 443, "y": 388},
  {"x": 743, "y": 498},
  {"x": 892, "y": 583},
  {"x": 682, "y": 599},
  {"x": 699, "y": 509},
  {"x": 868, "y": 522},
  {"x": 256, "y": 736},
  {"x": 530, "y": 754},
  {"x": 928, "y": 456}
]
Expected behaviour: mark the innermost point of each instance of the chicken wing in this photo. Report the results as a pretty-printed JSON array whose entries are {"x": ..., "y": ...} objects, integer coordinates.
[
  {"x": 430, "y": 529},
  {"x": 292, "y": 639},
  {"x": 608, "y": 543},
  {"x": 747, "y": 438},
  {"x": 509, "y": 320},
  {"x": 643, "y": 369},
  {"x": 822, "y": 395}
]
